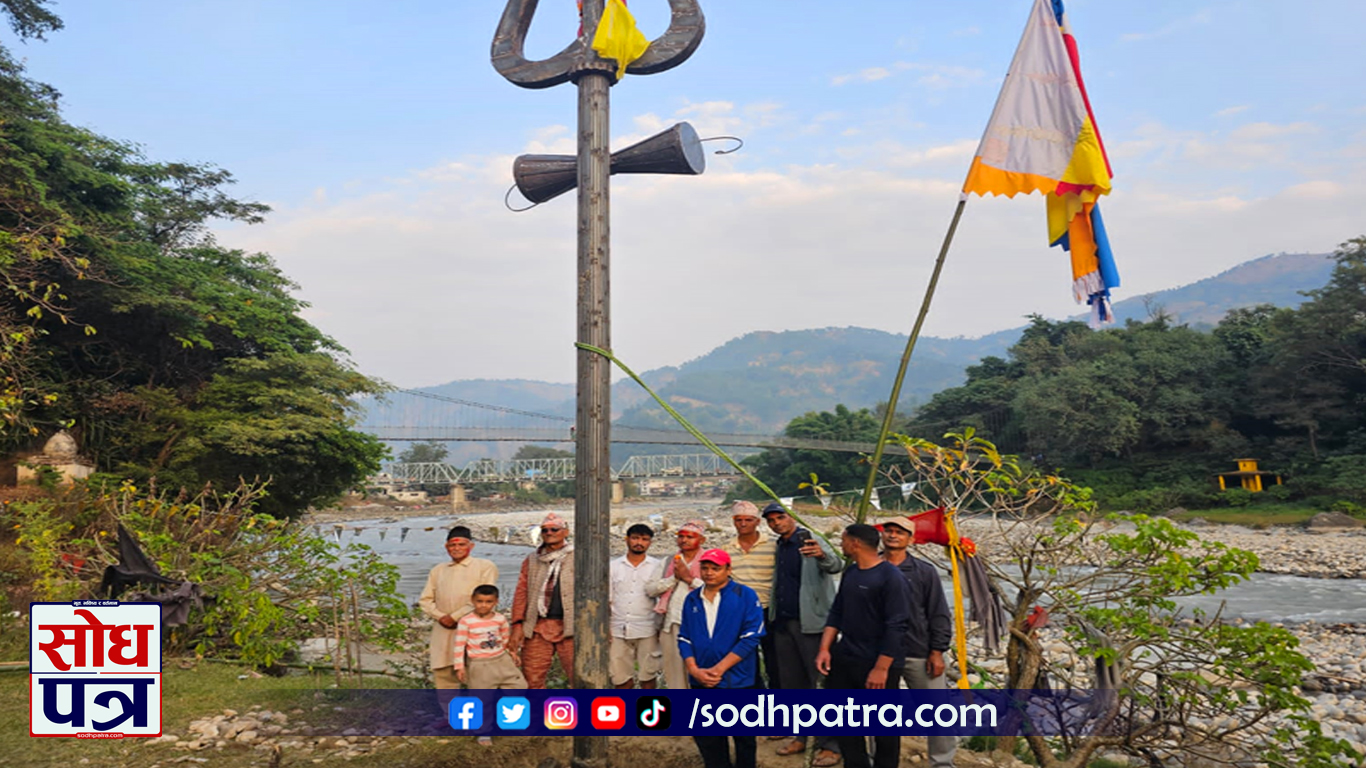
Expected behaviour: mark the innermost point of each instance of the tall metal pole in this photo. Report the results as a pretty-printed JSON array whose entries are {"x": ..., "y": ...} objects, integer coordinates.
[
  {"x": 593, "y": 494},
  {"x": 594, "y": 76}
]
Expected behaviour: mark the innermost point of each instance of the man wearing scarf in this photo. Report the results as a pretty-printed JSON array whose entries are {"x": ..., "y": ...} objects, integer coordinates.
[
  {"x": 543, "y": 605},
  {"x": 682, "y": 575}
]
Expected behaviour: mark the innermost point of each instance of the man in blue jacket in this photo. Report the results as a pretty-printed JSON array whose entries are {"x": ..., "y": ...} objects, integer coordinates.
[{"x": 719, "y": 641}]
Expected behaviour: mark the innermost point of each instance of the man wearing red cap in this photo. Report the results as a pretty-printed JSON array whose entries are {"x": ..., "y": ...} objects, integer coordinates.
[
  {"x": 543, "y": 605},
  {"x": 719, "y": 641}
]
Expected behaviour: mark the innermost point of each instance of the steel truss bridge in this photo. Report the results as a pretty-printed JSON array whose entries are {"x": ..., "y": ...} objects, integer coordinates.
[
  {"x": 691, "y": 465},
  {"x": 413, "y": 416}
]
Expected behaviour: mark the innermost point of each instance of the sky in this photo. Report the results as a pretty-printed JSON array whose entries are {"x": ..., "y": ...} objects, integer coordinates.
[{"x": 383, "y": 139}]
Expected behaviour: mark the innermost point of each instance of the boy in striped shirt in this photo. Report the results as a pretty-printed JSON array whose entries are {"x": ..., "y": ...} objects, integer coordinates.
[{"x": 480, "y": 646}]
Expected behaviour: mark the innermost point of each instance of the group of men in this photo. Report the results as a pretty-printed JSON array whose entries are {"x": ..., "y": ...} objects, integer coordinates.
[{"x": 706, "y": 617}]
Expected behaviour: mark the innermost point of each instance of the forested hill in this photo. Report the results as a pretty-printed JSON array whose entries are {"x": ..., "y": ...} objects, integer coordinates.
[
  {"x": 761, "y": 380},
  {"x": 1277, "y": 279}
]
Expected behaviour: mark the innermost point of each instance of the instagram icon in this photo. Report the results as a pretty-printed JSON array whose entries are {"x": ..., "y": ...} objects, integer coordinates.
[{"x": 561, "y": 714}]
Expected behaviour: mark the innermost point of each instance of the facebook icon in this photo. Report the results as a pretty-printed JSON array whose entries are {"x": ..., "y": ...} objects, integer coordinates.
[{"x": 466, "y": 714}]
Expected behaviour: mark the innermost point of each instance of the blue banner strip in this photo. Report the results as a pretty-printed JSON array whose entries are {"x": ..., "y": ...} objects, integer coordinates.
[{"x": 711, "y": 712}]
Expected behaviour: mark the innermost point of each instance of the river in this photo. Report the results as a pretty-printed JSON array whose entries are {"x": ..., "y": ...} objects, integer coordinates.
[{"x": 1266, "y": 597}]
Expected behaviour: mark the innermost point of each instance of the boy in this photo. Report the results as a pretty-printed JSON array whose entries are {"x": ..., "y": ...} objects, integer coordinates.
[{"x": 482, "y": 636}]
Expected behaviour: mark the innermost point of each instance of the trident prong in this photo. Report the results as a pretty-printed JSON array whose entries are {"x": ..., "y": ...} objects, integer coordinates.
[{"x": 678, "y": 42}]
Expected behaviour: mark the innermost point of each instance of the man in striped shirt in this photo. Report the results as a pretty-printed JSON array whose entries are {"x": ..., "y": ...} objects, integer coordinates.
[{"x": 752, "y": 559}]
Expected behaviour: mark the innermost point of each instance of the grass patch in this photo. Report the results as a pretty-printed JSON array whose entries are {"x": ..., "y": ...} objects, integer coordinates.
[
  {"x": 208, "y": 689},
  {"x": 1253, "y": 517}
]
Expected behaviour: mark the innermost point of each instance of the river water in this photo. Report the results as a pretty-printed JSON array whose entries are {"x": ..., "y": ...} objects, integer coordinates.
[{"x": 1267, "y": 597}]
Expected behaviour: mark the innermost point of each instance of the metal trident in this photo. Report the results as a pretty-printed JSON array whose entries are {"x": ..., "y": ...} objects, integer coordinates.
[
  {"x": 671, "y": 49},
  {"x": 579, "y": 63}
]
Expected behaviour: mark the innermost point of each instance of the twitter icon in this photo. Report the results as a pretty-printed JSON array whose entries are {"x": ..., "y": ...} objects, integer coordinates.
[{"x": 514, "y": 713}]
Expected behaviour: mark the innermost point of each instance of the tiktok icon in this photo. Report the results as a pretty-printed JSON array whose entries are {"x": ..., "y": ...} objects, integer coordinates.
[{"x": 652, "y": 713}]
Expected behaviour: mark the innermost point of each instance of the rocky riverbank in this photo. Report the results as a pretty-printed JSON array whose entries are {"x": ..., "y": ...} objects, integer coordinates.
[{"x": 1334, "y": 553}]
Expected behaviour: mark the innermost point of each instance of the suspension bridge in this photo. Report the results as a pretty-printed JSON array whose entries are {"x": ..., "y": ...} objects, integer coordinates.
[
  {"x": 689, "y": 465},
  {"x": 411, "y": 416}
]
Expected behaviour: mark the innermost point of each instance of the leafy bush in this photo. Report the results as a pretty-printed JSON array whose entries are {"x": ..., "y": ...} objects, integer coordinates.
[
  {"x": 1280, "y": 493},
  {"x": 272, "y": 583},
  {"x": 1237, "y": 497},
  {"x": 1355, "y": 510}
]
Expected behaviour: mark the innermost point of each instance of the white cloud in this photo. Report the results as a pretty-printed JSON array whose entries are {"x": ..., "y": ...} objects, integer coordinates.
[
  {"x": 1232, "y": 110},
  {"x": 869, "y": 75},
  {"x": 427, "y": 278},
  {"x": 1199, "y": 18},
  {"x": 935, "y": 76},
  {"x": 1263, "y": 131}
]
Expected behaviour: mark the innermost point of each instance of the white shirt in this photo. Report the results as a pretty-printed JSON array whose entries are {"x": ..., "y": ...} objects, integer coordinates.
[
  {"x": 633, "y": 611},
  {"x": 711, "y": 606}
]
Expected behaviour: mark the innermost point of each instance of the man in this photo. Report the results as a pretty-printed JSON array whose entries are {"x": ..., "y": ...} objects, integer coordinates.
[
  {"x": 446, "y": 598},
  {"x": 719, "y": 640},
  {"x": 681, "y": 576},
  {"x": 634, "y": 652},
  {"x": 803, "y": 589},
  {"x": 931, "y": 629},
  {"x": 751, "y": 563},
  {"x": 869, "y": 616},
  {"x": 543, "y": 605}
]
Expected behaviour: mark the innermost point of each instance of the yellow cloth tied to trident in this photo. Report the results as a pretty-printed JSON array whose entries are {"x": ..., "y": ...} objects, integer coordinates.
[{"x": 617, "y": 36}]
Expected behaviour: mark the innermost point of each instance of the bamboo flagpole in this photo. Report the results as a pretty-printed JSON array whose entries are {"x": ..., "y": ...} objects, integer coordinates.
[
  {"x": 1042, "y": 137},
  {"x": 890, "y": 414}
]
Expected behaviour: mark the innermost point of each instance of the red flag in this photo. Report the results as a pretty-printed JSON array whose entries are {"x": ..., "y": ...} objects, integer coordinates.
[{"x": 930, "y": 527}]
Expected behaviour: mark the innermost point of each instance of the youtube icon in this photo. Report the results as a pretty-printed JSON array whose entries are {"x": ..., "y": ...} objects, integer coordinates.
[{"x": 608, "y": 713}]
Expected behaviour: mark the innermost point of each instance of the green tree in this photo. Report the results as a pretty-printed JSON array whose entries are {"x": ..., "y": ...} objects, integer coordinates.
[
  {"x": 122, "y": 319},
  {"x": 1314, "y": 371},
  {"x": 1161, "y": 687},
  {"x": 530, "y": 451},
  {"x": 30, "y": 18},
  {"x": 784, "y": 469},
  {"x": 424, "y": 453}
]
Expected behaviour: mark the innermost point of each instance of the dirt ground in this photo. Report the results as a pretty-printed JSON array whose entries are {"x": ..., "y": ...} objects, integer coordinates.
[{"x": 672, "y": 752}]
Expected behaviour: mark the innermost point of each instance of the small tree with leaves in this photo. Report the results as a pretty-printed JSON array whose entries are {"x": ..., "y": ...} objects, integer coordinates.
[
  {"x": 423, "y": 453},
  {"x": 1162, "y": 683}
]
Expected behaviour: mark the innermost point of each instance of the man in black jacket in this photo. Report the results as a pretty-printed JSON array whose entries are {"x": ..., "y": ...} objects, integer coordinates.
[
  {"x": 869, "y": 616},
  {"x": 931, "y": 627}
]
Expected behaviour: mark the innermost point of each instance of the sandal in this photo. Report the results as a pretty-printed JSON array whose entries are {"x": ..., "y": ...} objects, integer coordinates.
[
  {"x": 825, "y": 758},
  {"x": 795, "y": 747}
]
